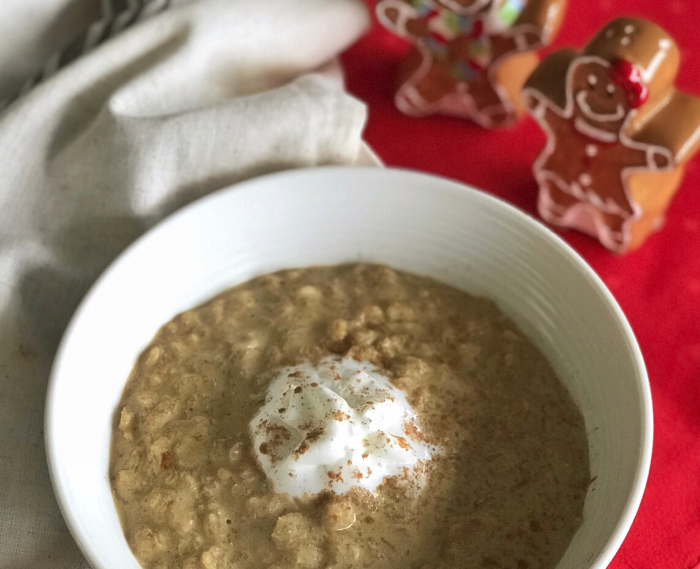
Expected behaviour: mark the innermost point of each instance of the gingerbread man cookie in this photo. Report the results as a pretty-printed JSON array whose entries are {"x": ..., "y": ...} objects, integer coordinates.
[
  {"x": 470, "y": 58},
  {"x": 618, "y": 133}
]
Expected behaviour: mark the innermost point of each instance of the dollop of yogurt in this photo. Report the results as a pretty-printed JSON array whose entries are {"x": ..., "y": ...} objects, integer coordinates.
[{"x": 336, "y": 426}]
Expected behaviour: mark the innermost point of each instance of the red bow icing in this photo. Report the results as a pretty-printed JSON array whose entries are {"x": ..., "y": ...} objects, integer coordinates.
[
  {"x": 477, "y": 29},
  {"x": 627, "y": 76}
]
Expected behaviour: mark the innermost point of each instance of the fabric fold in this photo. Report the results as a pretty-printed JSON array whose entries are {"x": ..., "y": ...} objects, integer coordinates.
[{"x": 191, "y": 100}]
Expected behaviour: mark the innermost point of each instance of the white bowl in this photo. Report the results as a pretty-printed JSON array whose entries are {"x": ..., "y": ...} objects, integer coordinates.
[{"x": 411, "y": 221}]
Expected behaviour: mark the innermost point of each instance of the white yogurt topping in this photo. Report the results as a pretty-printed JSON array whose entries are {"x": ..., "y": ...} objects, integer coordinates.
[{"x": 336, "y": 426}]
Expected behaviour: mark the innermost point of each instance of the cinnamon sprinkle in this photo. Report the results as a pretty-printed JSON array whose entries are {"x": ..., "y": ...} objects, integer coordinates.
[
  {"x": 303, "y": 447},
  {"x": 276, "y": 436},
  {"x": 315, "y": 434},
  {"x": 412, "y": 432},
  {"x": 335, "y": 476}
]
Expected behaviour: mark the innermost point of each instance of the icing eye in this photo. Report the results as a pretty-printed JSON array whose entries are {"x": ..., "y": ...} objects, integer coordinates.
[
  {"x": 629, "y": 28},
  {"x": 610, "y": 33},
  {"x": 592, "y": 80},
  {"x": 625, "y": 41},
  {"x": 610, "y": 89}
]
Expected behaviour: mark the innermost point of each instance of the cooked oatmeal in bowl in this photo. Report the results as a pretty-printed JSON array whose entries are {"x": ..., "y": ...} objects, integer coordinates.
[
  {"x": 345, "y": 417},
  {"x": 486, "y": 478}
]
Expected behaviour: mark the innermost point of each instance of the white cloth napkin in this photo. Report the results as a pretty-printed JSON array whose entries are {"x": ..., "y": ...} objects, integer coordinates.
[{"x": 202, "y": 95}]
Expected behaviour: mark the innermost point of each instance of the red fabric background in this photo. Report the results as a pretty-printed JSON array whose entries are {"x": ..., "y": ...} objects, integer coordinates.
[{"x": 658, "y": 286}]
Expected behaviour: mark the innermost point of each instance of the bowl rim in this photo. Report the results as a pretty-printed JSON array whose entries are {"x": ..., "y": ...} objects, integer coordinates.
[{"x": 445, "y": 185}]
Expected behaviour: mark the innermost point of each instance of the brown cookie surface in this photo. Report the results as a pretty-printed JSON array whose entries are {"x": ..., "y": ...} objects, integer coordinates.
[
  {"x": 470, "y": 57},
  {"x": 618, "y": 132}
]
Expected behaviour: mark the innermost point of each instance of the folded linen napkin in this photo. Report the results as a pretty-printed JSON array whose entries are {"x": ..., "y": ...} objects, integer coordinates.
[{"x": 189, "y": 100}]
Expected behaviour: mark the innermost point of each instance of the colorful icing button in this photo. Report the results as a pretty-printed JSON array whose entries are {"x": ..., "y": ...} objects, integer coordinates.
[
  {"x": 618, "y": 133},
  {"x": 470, "y": 58}
]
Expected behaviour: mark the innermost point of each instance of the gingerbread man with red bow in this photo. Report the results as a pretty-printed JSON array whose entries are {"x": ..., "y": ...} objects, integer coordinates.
[
  {"x": 470, "y": 57},
  {"x": 618, "y": 133}
]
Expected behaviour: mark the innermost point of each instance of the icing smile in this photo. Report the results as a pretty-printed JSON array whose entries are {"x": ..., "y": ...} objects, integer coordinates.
[{"x": 600, "y": 117}]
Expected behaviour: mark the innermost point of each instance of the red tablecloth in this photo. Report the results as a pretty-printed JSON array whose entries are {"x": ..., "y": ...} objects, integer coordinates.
[{"x": 658, "y": 286}]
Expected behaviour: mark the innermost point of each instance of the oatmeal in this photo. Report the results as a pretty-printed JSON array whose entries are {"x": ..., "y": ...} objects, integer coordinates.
[{"x": 499, "y": 477}]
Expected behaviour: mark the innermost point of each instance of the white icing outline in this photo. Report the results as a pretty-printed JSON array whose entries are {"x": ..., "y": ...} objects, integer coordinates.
[
  {"x": 692, "y": 139},
  {"x": 549, "y": 20},
  {"x": 647, "y": 73},
  {"x": 406, "y": 12},
  {"x": 407, "y": 98},
  {"x": 518, "y": 34},
  {"x": 571, "y": 216}
]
